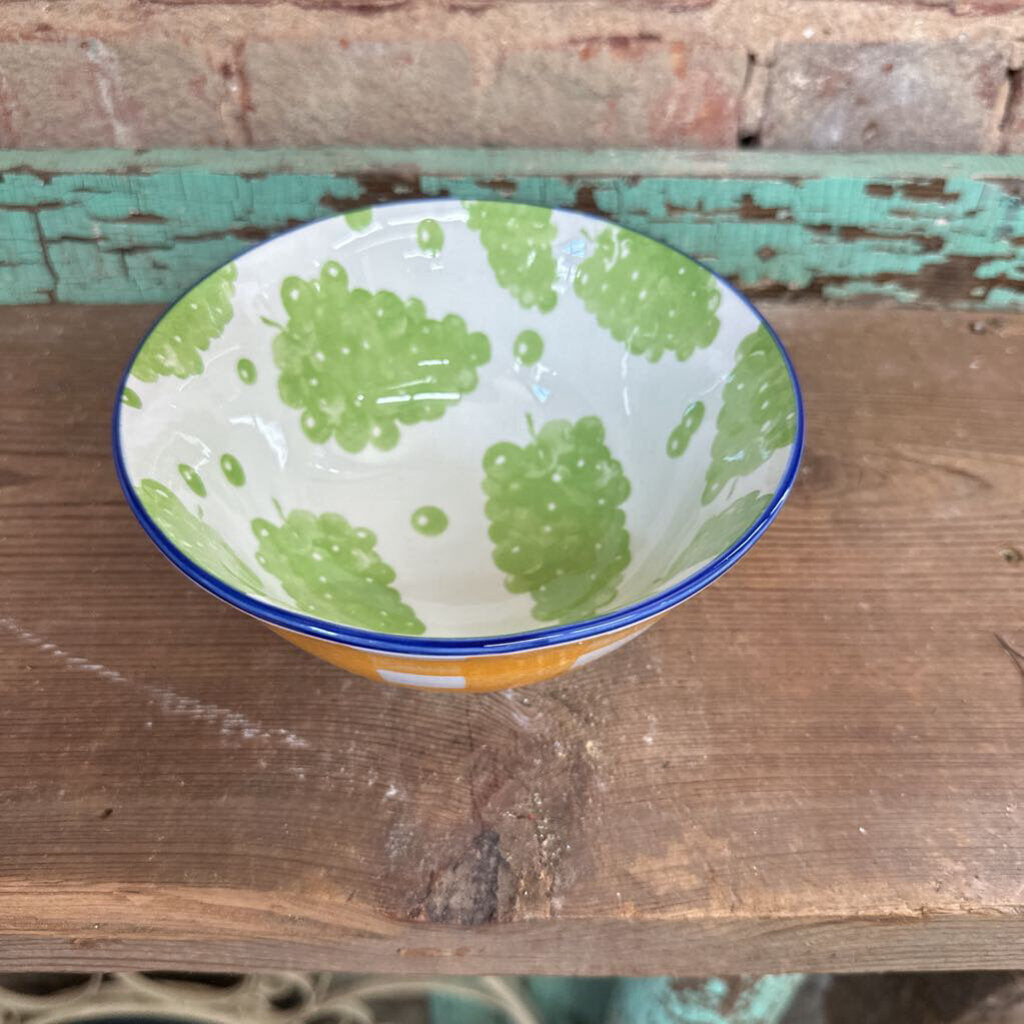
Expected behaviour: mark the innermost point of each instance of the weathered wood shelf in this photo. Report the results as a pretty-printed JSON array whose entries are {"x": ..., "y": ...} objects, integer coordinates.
[{"x": 816, "y": 764}]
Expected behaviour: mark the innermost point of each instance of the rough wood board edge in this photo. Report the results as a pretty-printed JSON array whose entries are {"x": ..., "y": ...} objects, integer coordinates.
[
  {"x": 911, "y": 942},
  {"x": 624, "y": 163},
  {"x": 117, "y": 226}
]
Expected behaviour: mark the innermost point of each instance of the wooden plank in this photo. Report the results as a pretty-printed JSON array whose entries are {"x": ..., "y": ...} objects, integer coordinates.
[
  {"x": 113, "y": 226},
  {"x": 814, "y": 765}
]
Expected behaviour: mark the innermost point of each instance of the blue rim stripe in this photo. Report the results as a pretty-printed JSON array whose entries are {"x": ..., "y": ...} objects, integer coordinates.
[{"x": 463, "y": 647}]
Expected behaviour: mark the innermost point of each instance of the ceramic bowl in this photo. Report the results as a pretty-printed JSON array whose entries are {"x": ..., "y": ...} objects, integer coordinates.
[{"x": 463, "y": 445}]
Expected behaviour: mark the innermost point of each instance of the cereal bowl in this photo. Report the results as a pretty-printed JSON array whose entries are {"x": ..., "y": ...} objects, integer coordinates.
[{"x": 458, "y": 445}]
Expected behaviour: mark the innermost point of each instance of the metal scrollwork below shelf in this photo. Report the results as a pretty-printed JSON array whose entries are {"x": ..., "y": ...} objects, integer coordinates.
[{"x": 282, "y": 997}]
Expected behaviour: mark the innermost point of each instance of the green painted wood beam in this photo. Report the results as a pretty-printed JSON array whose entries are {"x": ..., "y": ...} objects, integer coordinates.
[{"x": 116, "y": 226}]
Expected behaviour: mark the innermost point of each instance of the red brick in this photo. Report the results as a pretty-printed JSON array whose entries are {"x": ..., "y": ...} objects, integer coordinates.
[
  {"x": 127, "y": 91},
  {"x": 322, "y": 91},
  {"x": 888, "y": 97},
  {"x": 615, "y": 91}
]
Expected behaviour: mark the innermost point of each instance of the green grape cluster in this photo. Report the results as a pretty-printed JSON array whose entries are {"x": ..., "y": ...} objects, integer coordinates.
[
  {"x": 758, "y": 414},
  {"x": 359, "y": 364},
  {"x": 717, "y": 534},
  {"x": 518, "y": 241},
  {"x": 333, "y": 571},
  {"x": 174, "y": 347},
  {"x": 650, "y": 297},
  {"x": 556, "y": 525},
  {"x": 196, "y": 539}
]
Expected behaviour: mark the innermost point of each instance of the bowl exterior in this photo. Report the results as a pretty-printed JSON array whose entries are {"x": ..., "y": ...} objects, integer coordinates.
[{"x": 472, "y": 674}]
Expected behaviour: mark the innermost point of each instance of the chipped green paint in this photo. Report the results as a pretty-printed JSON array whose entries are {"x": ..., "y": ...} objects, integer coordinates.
[
  {"x": 648, "y": 296},
  {"x": 131, "y": 397},
  {"x": 528, "y": 347},
  {"x": 556, "y": 525},
  {"x": 359, "y": 364},
  {"x": 246, "y": 371},
  {"x": 359, "y": 220},
  {"x": 332, "y": 570},
  {"x": 679, "y": 439},
  {"x": 518, "y": 241},
  {"x": 736, "y": 1000},
  {"x": 196, "y": 539},
  {"x": 175, "y": 345},
  {"x": 192, "y": 479},
  {"x": 232, "y": 469},
  {"x": 758, "y": 414},
  {"x": 429, "y": 520},
  {"x": 116, "y": 226},
  {"x": 430, "y": 236}
]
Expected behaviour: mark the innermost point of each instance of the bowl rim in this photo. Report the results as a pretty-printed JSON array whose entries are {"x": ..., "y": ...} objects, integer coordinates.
[{"x": 507, "y": 643}]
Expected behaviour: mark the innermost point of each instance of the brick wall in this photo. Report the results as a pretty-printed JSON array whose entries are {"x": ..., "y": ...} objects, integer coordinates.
[{"x": 843, "y": 75}]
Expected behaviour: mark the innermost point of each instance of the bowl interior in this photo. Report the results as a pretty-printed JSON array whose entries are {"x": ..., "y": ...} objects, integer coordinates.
[{"x": 453, "y": 419}]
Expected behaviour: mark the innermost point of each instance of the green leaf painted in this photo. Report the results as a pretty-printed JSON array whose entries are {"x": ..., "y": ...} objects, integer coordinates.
[
  {"x": 648, "y": 296},
  {"x": 196, "y": 539},
  {"x": 518, "y": 241},
  {"x": 558, "y": 531},
  {"x": 717, "y": 534},
  {"x": 174, "y": 347},
  {"x": 130, "y": 397},
  {"x": 333, "y": 571},
  {"x": 758, "y": 414},
  {"x": 360, "y": 364}
]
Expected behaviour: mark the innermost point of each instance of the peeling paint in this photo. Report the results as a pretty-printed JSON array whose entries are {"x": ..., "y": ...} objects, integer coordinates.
[{"x": 120, "y": 227}]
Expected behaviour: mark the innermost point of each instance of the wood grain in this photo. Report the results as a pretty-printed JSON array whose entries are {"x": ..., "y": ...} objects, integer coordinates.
[{"x": 817, "y": 764}]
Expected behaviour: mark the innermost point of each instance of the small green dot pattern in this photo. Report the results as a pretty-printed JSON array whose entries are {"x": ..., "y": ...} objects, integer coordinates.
[
  {"x": 558, "y": 531},
  {"x": 679, "y": 439},
  {"x": 232, "y": 469},
  {"x": 359, "y": 220},
  {"x": 648, "y": 296},
  {"x": 718, "y": 533},
  {"x": 174, "y": 347},
  {"x": 361, "y": 365},
  {"x": 332, "y": 570},
  {"x": 430, "y": 236},
  {"x": 518, "y": 240},
  {"x": 196, "y": 539},
  {"x": 758, "y": 414},
  {"x": 192, "y": 479},
  {"x": 528, "y": 347},
  {"x": 246, "y": 369},
  {"x": 429, "y": 520}
]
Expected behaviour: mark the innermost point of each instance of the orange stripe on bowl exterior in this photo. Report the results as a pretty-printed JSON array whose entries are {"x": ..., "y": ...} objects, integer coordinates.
[{"x": 481, "y": 673}]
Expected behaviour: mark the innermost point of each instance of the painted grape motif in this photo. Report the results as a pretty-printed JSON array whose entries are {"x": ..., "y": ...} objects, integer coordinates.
[
  {"x": 332, "y": 570},
  {"x": 679, "y": 439},
  {"x": 648, "y": 296},
  {"x": 359, "y": 220},
  {"x": 174, "y": 347},
  {"x": 360, "y": 365},
  {"x": 758, "y": 414},
  {"x": 718, "y": 533},
  {"x": 528, "y": 347},
  {"x": 430, "y": 236},
  {"x": 518, "y": 241},
  {"x": 556, "y": 525},
  {"x": 196, "y": 539}
]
